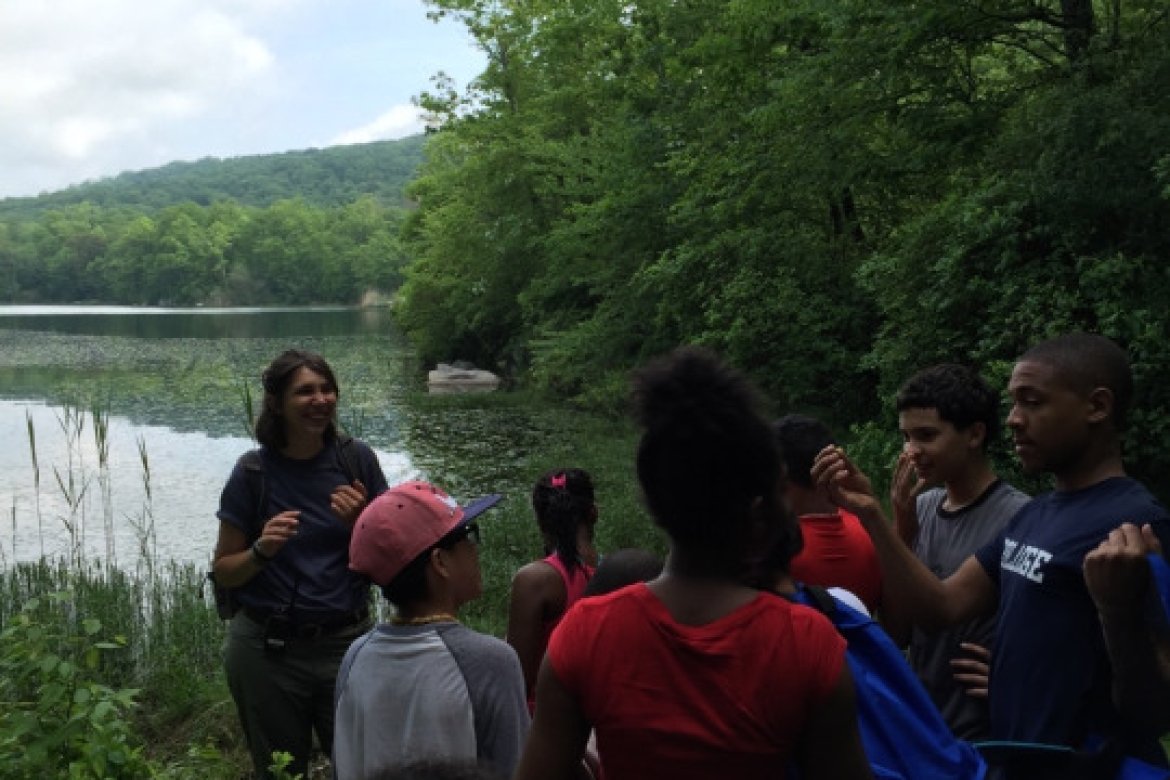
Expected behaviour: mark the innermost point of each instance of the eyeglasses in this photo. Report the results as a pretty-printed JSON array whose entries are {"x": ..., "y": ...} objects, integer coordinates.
[{"x": 470, "y": 532}]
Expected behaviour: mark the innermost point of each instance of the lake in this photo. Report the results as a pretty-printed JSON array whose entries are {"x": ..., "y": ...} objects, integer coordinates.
[{"x": 170, "y": 385}]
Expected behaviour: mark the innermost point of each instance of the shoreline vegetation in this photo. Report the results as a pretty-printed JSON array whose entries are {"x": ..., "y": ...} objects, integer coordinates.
[{"x": 116, "y": 671}]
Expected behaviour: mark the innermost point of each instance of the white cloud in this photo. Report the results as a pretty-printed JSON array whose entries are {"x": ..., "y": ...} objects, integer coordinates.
[
  {"x": 400, "y": 121},
  {"x": 90, "y": 88},
  {"x": 85, "y": 84}
]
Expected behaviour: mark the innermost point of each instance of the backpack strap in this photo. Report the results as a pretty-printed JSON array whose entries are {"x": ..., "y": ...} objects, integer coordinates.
[
  {"x": 253, "y": 465},
  {"x": 820, "y": 598},
  {"x": 346, "y": 454}
]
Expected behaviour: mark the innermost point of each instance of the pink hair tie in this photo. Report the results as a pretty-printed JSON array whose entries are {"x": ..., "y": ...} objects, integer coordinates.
[{"x": 560, "y": 481}]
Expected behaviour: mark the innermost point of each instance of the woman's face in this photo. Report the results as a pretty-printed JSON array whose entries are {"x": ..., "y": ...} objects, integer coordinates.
[{"x": 308, "y": 404}]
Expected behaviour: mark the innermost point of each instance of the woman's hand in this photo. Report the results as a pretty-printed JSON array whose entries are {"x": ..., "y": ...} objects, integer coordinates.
[
  {"x": 277, "y": 531},
  {"x": 348, "y": 501}
]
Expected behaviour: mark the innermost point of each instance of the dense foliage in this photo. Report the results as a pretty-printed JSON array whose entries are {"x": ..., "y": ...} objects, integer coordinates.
[
  {"x": 319, "y": 226},
  {"x": 223, "y": 254},
  {"x": 833, "y": 194}
]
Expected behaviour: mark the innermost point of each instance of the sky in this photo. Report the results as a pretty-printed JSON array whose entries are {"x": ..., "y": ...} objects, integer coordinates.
[{"x": 91, "y": 88}]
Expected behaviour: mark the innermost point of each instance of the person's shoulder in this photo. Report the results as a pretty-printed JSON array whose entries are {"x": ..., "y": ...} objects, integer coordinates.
[
  {"x": 537, "y": 576},
  {"x": 1008, "y": 499},
  {"x": 1006, "y": 489},
  {"x": 930, "y": 500},
  {"x": 352, "y": 444},
  {"x": 803, "y": 616},
  {"x": 485, "y": 648},
  {"x": 634, "y": 598},
  {"x": 484, "y": 643},
  {"x": 1142, "y": 496},
  {"x": 1123, "y": 489}
]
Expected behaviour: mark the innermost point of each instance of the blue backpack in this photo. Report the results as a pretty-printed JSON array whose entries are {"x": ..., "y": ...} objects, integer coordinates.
[{"x": 904, "y": 735}]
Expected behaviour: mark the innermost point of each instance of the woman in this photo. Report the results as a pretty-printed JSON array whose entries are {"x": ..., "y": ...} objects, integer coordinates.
[
  {"x": 697, "y": 674},
  {"x": 285, "y": 520}
]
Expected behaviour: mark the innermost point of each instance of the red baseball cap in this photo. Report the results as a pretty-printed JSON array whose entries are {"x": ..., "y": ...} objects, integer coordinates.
[{"x": 405, "y": 521}]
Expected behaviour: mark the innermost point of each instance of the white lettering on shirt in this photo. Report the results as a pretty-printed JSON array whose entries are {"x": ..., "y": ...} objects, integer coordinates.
[{"x": 1025, "y": 560}]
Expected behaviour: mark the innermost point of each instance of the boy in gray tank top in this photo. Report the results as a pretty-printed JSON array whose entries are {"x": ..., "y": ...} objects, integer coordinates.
[{"x": 947, "y": 416}]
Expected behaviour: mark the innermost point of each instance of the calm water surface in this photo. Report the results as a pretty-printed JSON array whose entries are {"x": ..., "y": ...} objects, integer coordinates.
[{"x": 171, "y": 382}]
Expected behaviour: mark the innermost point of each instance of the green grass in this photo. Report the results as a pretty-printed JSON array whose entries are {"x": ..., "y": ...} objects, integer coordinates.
[{"x": 556, "y": 438}]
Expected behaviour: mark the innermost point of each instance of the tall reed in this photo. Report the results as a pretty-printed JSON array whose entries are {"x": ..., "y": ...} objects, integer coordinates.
[
  {"x": 143, "y": 523},
  {"x": 32, "y": 446},
  {"x": 75, "y": 483},
  {"x": 101, "y": 440}
]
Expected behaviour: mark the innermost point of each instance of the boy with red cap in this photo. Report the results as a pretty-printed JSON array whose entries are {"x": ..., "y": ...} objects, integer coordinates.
[{"x": 424, "y": 687}]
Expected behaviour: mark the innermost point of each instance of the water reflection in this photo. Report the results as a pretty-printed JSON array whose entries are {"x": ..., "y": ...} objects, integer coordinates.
[
  {"x": 173, "y": 380},
  {"x": 156, "y": 488}
]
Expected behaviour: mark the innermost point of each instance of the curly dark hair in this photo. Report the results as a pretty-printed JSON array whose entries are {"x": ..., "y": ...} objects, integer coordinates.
[
  {"x": 276, "y": 379},
  {"x": 706, "y": 454},
  {"x": 960, "y": 395},
  {"x": 562, "y": 500}
]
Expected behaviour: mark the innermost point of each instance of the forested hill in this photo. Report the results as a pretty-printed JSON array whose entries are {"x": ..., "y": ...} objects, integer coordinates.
[
  {"x": 316, "y": 226},
  {"x": 321, "y": 177}
]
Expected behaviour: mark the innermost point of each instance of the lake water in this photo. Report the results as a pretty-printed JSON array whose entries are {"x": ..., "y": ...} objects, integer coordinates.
[{"x": 171, "y": 382}]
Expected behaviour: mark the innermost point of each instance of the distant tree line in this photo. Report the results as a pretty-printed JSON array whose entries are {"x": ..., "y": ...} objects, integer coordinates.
[
  {"x": 832, "y": 194},
  {"x": 315, "y": 226},
  {"x": 222, "y": 254},
  {"x": 321, "y": 177}
]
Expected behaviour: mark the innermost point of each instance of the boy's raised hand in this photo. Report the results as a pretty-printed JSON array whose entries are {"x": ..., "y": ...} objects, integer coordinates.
[
  {"x": 904, "y": 490},
  {"x": 845, "y": 484}
]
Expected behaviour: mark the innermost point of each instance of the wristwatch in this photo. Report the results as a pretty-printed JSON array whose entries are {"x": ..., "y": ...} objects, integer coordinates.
[{"x": 260, "y": 557}]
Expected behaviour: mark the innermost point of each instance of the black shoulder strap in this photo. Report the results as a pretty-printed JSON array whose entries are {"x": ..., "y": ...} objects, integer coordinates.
[
  {"x": 254, "y": 471},
  {"x": 821, "y": 599},
  {"x": 345, "y": 453}
]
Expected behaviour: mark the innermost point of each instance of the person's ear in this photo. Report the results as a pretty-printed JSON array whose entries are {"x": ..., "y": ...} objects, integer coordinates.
[
  {"x": 976, "y": 435},
  {"x": 1100, "y": 405},
  {"x": 438, "y": 562}
]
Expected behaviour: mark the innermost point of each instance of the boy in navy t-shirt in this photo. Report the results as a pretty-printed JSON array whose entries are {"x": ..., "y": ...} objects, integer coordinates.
[{"x": 1050, "y": 678}]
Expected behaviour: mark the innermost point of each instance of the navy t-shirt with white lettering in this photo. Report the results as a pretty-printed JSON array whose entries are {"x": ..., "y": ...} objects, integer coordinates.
[{"x": 1050, "y": 672}]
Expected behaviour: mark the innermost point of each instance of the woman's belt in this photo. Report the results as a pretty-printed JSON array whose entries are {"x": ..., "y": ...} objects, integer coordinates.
[{"x": 305, "y": 625}]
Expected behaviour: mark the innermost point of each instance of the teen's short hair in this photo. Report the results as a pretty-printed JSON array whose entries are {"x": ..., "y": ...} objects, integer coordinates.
[
  {"x": 800, "y": 438},
  {"x": 1086, "y": 361},
  {"x": 960, "y": 395}
]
